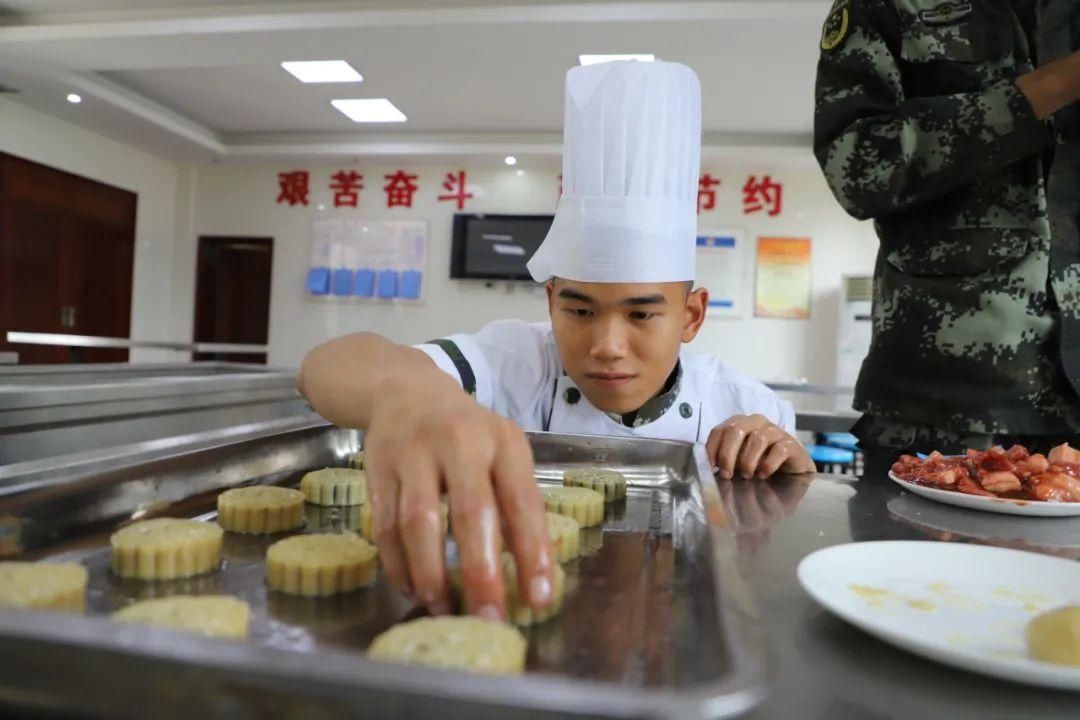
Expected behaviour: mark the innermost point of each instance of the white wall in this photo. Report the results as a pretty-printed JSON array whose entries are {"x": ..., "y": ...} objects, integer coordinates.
[
  {"x": 178, "y": 203},
  {"x": 44, "y": 139},
  {"x": 239, "y": 200},
  {"x": 781, "y": 349}
]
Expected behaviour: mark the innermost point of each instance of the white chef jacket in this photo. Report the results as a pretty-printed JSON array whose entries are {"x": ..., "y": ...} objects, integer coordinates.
[{"x": 513, "y": 368}]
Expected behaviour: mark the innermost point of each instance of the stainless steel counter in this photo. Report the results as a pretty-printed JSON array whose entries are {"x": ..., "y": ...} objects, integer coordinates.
[
  {"x": 34, "y": 375},
  {"x": 820, "y": 667},
  {"x": 52, "y": 411},
  {"x": 823, "y": 667}
]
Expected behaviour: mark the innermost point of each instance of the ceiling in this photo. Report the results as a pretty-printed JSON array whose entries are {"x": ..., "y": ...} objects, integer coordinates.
[{"x": 202, "y": 81}]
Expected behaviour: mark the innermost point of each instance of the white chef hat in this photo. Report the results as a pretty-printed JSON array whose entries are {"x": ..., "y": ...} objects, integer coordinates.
[{"x": 631, "y": 159}]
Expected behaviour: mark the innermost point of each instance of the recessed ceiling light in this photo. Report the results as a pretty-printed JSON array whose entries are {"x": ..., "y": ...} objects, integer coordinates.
[
  {"x": 510, "y": 160},
  {"x": 520, "y": 173},
  {"x": 322, "y": 71},
  {"x": 370, "y": 110},
  {"x": 594, "y": 59},
  {"x": 74, "y": 99}
]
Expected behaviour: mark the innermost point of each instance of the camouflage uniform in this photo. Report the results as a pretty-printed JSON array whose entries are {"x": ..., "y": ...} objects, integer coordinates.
[{"x": 920, "y": 126}]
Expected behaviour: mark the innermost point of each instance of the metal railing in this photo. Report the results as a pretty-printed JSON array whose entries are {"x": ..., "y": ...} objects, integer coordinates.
[{"x": 91, "y": 341}]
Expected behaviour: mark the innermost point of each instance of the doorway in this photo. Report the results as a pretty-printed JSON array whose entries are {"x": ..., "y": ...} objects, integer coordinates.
[
  {"x": 67, "y": 251},
  {"x": 232, "y": 294}
]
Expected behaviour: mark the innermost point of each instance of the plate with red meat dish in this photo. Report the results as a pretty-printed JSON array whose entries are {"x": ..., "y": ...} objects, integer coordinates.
[{"x": 1013, "y": 481}]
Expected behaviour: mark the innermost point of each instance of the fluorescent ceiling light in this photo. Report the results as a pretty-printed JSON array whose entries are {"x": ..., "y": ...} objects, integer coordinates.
[
  {"x": 73, "y": 98},
  {"x": 322, "y": 71},
  {"x": 371, "y": 110},
  {"x": 510, "y": 160},
  {"x": 594, "y": 59}
]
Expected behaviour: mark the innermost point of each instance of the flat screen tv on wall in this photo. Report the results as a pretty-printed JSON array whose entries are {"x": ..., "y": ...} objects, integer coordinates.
[{"x": 495, "y": 247}]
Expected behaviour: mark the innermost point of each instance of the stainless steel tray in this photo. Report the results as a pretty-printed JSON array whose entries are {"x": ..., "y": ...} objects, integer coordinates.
[{"x": 657, "y": 620}]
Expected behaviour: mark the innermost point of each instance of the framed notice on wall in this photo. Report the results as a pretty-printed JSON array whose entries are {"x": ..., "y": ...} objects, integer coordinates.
[
  {"x": 353, "y": 258},
  {"x": 721, "y": 268},
  {"x": 782, "y": 285}
]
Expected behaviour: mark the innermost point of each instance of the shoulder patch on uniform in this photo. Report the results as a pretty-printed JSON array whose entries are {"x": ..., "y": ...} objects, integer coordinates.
[
  {"x": 837, "y": 25},
  {"x": 946, "y": 13}
]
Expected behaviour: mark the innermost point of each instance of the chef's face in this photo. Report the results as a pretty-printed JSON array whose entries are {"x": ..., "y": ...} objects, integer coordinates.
[{"x": 619, "y": 342}]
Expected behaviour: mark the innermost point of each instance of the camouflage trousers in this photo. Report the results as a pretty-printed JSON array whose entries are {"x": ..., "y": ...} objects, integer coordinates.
[{"x": 883, "y": 441}]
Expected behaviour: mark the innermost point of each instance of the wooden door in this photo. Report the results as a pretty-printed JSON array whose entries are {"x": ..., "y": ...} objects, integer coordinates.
[
  {"x": 67, "y": 247},
  {"x": 232, "y": 294}
]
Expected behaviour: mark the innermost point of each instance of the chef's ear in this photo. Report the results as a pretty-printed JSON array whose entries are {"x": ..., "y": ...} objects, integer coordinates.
[
  {"x": 549, "y": 287},
  {"x": 697, "y": 301}
]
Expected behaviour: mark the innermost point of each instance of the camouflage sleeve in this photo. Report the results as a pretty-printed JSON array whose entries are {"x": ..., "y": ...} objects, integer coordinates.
[{"x": 881, "y": 151}]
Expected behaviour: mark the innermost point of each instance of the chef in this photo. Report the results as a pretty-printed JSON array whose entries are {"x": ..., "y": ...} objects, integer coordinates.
[{"x": 618, "y": 263}]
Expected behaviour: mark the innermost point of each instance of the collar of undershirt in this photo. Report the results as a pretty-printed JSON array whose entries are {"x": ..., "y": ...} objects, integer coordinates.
[{"x": 655, "y": 408}]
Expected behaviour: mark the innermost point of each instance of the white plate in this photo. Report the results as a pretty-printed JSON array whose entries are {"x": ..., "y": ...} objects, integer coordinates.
[
  {"x": 961, "y": 605},
  {"x": 1033, "y": 508}
]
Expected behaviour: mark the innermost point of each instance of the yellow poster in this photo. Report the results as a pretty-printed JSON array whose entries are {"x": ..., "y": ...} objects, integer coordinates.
[{"x": 783, "y": 278}]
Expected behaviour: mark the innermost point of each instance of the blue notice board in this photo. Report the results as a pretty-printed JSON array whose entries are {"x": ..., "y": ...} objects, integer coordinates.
[{"x": 380, "y": 261}]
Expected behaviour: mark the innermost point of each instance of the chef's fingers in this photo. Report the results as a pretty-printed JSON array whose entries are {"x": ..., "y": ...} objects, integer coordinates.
[
  {"x": 727, "y": 452},
  {"x": 755, "y": 446},
  {"x": 799, "y": 460},
  {"x": 384, "y": 505},
  {"x": 522, "y": 508},
  {"x": 421, "y": 529},
  {"x": 779, "y": 454},
  {"x": 731, "y": 436},
  {"x": 712, "y": 446},
  {"x": 467, "y": 453}
]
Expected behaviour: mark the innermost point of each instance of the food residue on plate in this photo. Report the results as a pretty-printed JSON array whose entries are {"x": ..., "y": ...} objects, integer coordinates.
[
  {"x": 876, "y": 597},
  {"x": 873, "y": 596},
  {"x": 1031, "y": 601}
]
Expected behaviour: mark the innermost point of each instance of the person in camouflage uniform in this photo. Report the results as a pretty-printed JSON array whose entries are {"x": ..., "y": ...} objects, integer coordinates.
[{"x": 932, "y": 119}]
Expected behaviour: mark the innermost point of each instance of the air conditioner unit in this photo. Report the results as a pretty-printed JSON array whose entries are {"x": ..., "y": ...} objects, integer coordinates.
[{"x": 854, "y": 330}]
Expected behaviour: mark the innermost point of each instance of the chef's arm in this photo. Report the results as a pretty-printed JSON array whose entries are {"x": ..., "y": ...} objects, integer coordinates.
[
  {"x": 340, "y": 377},
  {"x": 882, "y": 151}
]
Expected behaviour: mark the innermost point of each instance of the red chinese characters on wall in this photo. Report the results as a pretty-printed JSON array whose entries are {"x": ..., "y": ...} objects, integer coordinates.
[
  {"x": 293, "y": 187},
  {"x": 400, "y": 188},
  {"x": 762, "y": 194},
  {"x": 456, "y": 190},
  {"x": 346, "y": 186},
  {"x": 706, "y": 194}
]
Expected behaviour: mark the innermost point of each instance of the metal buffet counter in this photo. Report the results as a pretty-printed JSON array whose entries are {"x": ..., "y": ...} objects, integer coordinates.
[
  {"x": 659, "y": 622},
  {"x": 689, "y": 606},
  {"x": 51, "y": 411}
]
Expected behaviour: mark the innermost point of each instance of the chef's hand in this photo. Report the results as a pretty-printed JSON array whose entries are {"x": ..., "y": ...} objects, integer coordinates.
[
  {"x": 752, "y": 447},
  {"x": 427, "y": 436}
]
